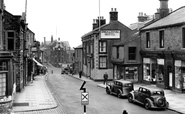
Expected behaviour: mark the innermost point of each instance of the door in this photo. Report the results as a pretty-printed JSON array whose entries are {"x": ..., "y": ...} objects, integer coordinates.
[{"x": 170, "y": 76}]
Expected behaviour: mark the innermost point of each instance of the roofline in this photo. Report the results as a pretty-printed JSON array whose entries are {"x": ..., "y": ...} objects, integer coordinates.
[
  {"x": 94, "y": 30},
  {"x": 165, "y": 26},
  {"x": 158, "y": 20}
]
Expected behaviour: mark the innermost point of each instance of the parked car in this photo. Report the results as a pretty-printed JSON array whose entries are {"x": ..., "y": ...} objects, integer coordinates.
[
  {"x": 65, "y": 71},
  {"x": 119, "y": 87},
  {"x": 149, "y": 97}
]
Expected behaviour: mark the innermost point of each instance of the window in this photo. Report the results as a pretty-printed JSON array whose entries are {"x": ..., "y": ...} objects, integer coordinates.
[
  {"x": 2, "y": 84},
  {"x": 147, "y": 40},
  {"x": 103, "y": 62},
  {"x": 102, "y": 46},
  {"x": 10, "y": 40},
  {"x": 132, "y": 53},
  {"x": 161, "y": 39},
  {"x": 183, "y": 37},
  {"x": 117, "y": 55}
]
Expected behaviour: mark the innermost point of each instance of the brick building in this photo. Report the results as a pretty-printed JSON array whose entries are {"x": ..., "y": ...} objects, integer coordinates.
[{"x": 97, "y": 45}]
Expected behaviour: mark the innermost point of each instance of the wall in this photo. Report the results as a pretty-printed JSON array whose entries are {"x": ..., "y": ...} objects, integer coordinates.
[{"x": 172, "y": 39}]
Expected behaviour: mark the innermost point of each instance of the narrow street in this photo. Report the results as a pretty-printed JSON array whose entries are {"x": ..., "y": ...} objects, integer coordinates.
[{"x": 66, "y": 91}]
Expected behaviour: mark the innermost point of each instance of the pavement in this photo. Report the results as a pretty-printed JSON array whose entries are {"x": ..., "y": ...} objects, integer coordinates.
[{"x": 37, "y": 96}]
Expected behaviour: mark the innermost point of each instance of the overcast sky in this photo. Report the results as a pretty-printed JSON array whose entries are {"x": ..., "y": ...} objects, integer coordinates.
[{"x": 70, "y": 19}]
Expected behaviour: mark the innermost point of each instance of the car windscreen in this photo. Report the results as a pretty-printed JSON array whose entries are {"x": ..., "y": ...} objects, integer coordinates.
[
  {"x": 157, "y": 93},
  {"x": 128, "y": 85}
]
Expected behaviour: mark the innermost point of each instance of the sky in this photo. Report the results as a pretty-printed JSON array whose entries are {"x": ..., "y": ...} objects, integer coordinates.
[{"x": 69, "y": 20}]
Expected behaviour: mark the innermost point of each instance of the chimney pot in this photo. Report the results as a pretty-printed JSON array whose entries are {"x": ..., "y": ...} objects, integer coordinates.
[
  {"x": 111, "y": 9},
  {"x": 114, "y": 9}
]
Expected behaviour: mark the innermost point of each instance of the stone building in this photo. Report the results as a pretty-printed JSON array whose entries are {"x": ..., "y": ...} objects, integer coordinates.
[{"x": 163, "y": 49}]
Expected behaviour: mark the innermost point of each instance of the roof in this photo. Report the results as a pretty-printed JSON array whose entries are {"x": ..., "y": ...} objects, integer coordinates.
[
  {"x": 175, "y": 17},
  {"x": 80, "y": 46},
  {"x": 123, "y": 81},
  {"x": 110, "y": 25},
  {"x": 152, "y": 89},
  {"x": 134, "y": 37}
]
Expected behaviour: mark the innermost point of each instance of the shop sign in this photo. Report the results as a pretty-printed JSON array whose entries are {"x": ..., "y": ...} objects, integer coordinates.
[{"x": 110, "y": 34}]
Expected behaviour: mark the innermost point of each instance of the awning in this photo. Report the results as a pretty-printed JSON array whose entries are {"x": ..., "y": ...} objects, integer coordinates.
[{"x": 37, "y": 62}]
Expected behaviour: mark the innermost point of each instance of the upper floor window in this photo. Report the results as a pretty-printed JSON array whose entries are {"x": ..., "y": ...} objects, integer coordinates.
[
  {"x": 132, "y": 53},
  {"x": 161, "y": 39},
  {"x": 102, "y": 46},
  {"x": 103, "y": 62},
  {"x": 183, "y": 37},
  {"x": 10, "y": 40},
  {"x": 117, "y": 53},
  {"x": 147, "y": 40}
]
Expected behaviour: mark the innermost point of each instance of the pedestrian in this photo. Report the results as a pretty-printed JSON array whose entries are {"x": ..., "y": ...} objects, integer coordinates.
[
  {"x": 80, "y": 74},
  {"x": 125, "y": 112},
  {"x": 105, "y": 76}
]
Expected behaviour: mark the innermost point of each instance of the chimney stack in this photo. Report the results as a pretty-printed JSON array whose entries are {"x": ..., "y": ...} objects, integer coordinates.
[
  {"x": 113, "y": 15},
  {"x": 44, "y": 41},
  {"x": 163, "y": 10},
  {"x": 96, "y": 22},
  {"x": 142, "y": 17}
]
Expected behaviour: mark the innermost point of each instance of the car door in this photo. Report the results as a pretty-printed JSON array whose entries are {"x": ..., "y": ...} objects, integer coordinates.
[
  {"x": 114, "y": 87},
  {"x": 144, "y": 95}
]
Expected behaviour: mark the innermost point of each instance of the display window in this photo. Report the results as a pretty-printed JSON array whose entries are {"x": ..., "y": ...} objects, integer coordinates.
[
  {"x": 131, "y": 73},
  {"x": 149, "y": 69},
  {"x": 160, "y": 71},
  {"x": 179, "y": 74}
]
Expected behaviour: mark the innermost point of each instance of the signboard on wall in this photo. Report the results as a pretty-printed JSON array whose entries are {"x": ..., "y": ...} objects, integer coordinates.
[{"x": 110, "y": 34}]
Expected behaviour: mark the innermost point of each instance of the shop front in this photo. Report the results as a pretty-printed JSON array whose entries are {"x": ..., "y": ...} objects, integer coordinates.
[
  {"x": 126, "y": 72},
  {"x": 179, "y": 71},
  {"x": 153, "y": 68}
]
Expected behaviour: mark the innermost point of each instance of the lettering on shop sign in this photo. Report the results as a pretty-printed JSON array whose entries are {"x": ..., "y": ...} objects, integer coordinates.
[{"x": 110, "y": 34}]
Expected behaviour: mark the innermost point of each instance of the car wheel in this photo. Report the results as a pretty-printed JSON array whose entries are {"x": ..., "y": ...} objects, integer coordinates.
[
  {"x": 147, "y": 104},
  {"x": 119, "y": 94},
  {"x": 107, "y": 90},
  {"x": 130, "y": 98}
]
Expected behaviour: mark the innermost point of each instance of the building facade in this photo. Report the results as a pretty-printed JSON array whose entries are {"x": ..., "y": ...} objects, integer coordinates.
[
  {"x": 97, "y": 46},
  {"x": 163, "y": 50},
  {"x": 77, "y": 63},
  {"x": 126, "y": 59}
]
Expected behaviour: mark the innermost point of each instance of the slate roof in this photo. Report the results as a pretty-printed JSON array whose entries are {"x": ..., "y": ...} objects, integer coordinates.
[
  {"x": 174, "y": 18},
  {"x": 78, "y": 47},
  {"x": 134, "y": 37},
  {"x": 110, "y": 25}
]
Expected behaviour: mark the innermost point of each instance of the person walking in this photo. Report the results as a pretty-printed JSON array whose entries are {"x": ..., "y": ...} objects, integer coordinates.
[
  {"x": 125, "y": 112},
  {"x": 80, "y": 74},
  {"x": 105, "y": 76}
]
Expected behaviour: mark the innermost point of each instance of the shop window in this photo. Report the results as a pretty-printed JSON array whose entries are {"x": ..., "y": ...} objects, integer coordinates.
[
  {"x": 183, "y": 37},
  {"x": 148, "y": 40},
  {"x": 149, "y": 69},
  {"x": 2, "y": 84},
  {"x": 160, "y": 71},
  {"x": 103, "y": 62},
  {"x": 131, "y": 73},
  {"x": 161, "y": 39},
  {"x": 102, "y": 46},
  {"x": 180, "y": 74},
  {"x": 132, "y": 53}
]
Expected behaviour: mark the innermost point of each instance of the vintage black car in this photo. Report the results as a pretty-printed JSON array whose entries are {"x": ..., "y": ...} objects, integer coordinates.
[
  {"x": 149, "y": 97},
  {"x": 119, "y": 87}
]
